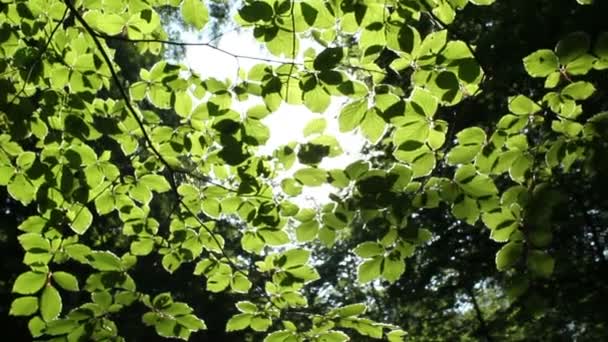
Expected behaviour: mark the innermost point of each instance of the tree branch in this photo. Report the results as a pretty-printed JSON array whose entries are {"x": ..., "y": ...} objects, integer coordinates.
[
  {"x": 121, "y": 89},
  {"x": 483, "y": 327},
  {"x": 140, "y": 123}
]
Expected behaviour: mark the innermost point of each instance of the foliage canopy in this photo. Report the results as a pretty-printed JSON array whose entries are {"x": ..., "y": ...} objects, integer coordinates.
[{"x": 114, "y": 174}]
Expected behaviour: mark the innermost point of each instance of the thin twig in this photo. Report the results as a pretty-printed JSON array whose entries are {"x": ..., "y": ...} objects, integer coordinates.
[
  {"x": 46, "y": 45},
  {"x": 293, "y": 49},
  {"x": 229, "y": 53},
  {"x": 177, "y": 43}
]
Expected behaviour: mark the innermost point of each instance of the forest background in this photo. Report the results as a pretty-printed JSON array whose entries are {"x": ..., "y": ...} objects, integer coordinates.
[{"x": 143, "y": 200}]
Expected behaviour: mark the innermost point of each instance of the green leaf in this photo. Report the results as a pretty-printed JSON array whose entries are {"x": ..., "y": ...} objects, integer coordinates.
[
  {"x": 257, "y": 131},
  {"x": 191, "y": 322},
  {"x": 572, "y": 46},
  {"x": 432, "y": 43},
  {"x": 274, "y": 237},
  {"x": 156, "y": 183},
  {"x": 293, "y": 257},
  {"x": 393, "y": 269},
  {"x": 522, "y": 105},
  {"x": 307, "y": 231},
  {"x": 369, "y": 249},
  {"x": 171, "y": 262},
  {"x": 50, "y": 304},
  {"x": 247, "y": 307},
  {"x": 601, "y": 46},
  {"x": 578, "y": 90},
  {"x": 252, "y": 243},
  {"x": 142, "y": 247},
  {"x": 482, "y": 2},
  {"x": 470, "y": 141},
  {"x": 25, "y": 160},
  {"x": 317, "y": 99},
  {"x": 36, "y": 326},
  {"x": 553, "y": 79},
  {"x": 463, "y": 154},
  {"x": 473, "y": 183},
  {"x": 21, "y": 188},
  {"x": 328, "y": 58},
  {"x": 24, "y": 306},
  {"x": 240, "y": 283},
  {"x": 81, "y": 218},
  {"x": 369, "y": 270},
  {"x": 508, "y": 255},
  {"x": 108, "y": 23},
  {"x": 195, "y": 13},
  {"x": 541, "y": 63},
  {"x": 29, "y": 282},
  {"x": 6, "y": 173},
  {"x": 33, "y": 242},
  {"x": 256, "y": 10},
  {"x": 333, "y": 336},
  {"x": 349, "y": 310},
  {"x": 372, "y": 126},
  {"x": 239, "y": 322},
  {"x": 167, "y": 327},
  {"x": 183, "y": 104},
  {"x": 105, "y": 261},
  {"x": 315, "y": 126},
  {"x": 65, "y": 280},
  {"x": 397, "y": 335},
  {"x": 260, "y": 323},
  {"x": 291, "y": 187},
  {"x": 258, "y": 112},
  {"x": 351, "y": 115},
  {"x": 540, "y": 263},
  {"x": 311, "y": 176},
  {"x": 105, "y": 203},
  {"x": 581, "y": 65},
  {"x": 281, "y": 335},
  {"x": 211, "y": 207},
  {"x": 424, "y": 102}
]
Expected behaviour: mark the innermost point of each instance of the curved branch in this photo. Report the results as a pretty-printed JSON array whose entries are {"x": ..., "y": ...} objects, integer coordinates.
[{"x": 121, "y": 89}]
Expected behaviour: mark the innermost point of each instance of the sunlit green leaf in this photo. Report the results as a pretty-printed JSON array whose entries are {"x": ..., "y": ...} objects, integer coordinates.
[
  {"x": 369, "y": 270},
  {"x": 24, "y": 306},
  {"x": 195, "y": 13},
  {"x": 508, "y": 255},
  {"x": 66, "y": 281},
  {"x": 239, "y": 322},
  {"x": 50, "y": 303},
  {"x": 29, "y": 282},
  {"x": 541, "y": 63}
]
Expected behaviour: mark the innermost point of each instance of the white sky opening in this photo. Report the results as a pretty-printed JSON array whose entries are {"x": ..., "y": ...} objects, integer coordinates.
[{"x": 287, "y": 123}]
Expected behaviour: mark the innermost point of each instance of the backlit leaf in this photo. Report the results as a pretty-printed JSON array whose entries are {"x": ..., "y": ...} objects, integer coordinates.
[
  {"x": 50, "y": 303},
  {"x": 195, "y": 13}
]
